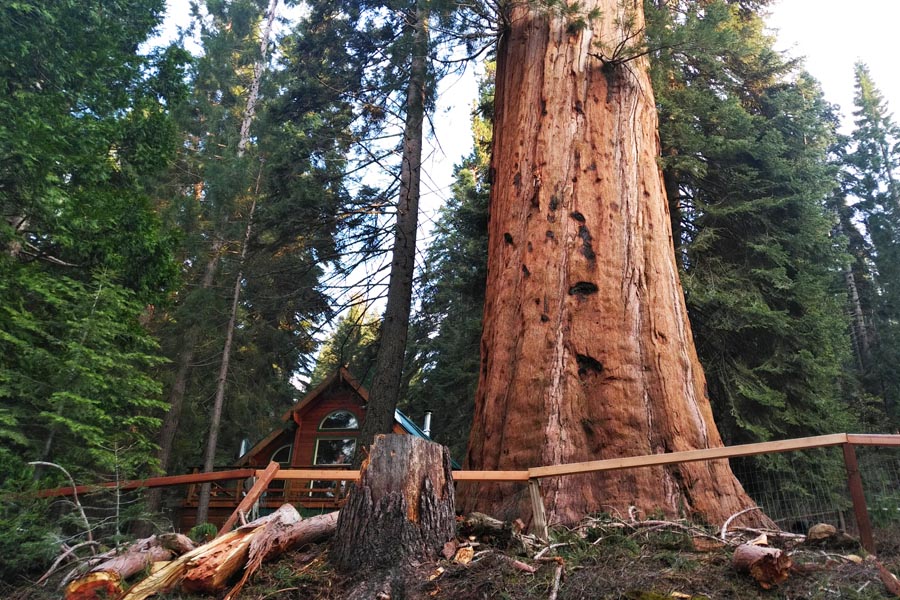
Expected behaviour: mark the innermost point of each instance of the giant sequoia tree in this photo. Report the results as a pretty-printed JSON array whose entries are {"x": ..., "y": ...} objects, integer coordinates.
[{"x": 586, "y": 351}]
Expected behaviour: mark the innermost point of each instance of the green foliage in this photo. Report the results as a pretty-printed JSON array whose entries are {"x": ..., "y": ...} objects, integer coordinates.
[
  {"x": 871, "y": 191},
  {"x": 352, "y": 344},
  {"x": 745, "y": 140},
  {"x": 203, "y": 533},
  {"x": 83, "y": 120},
  {"x": 85, "y": 128},
  {"x": 293, "y": 169},
  {"x": 74, "y": 374},
  {"x": 29, "y": 541}
]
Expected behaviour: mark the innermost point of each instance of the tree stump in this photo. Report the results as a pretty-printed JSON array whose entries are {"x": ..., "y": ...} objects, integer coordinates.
[{"x": 401, "y": 511}]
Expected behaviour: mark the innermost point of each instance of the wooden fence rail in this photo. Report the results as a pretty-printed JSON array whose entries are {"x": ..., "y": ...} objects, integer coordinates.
[{"x": 534, "y": 474}]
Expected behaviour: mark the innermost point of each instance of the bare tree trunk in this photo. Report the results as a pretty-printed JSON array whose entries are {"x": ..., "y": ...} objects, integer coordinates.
[
  {"x": 215, "y": 419},
  {"x": 250, "y": 111},
  {"x": 215, "y": 416},
  {"x": 861, "y": 333},
  {"x": 179, "y": 385},
  {"x": 587, "y": 351},
  {"x": 858, "y": 327},
  {"x": 385, "y": 388}
]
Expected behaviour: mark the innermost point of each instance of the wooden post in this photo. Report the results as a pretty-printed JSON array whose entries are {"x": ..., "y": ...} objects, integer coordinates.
[
  {"x": 539, "y": 515},
  {"x": 252, "y": 496},
  {"x": 854, "y": 482}
]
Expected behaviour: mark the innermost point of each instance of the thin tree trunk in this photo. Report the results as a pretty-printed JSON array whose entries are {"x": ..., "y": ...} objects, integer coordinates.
[
  {"x": 250, "y": 111},
  {"x": 862, "y": 335},
  {"x": 587, "y": 352},
  {"x": 857, "y": 320},
  {"x": 215, "y": 419},
  {"x": 385, "y": 388},
  {"x": 179, "y": 385}
]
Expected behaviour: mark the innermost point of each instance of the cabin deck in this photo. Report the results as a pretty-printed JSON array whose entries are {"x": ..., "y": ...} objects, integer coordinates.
[{"x": 307, "y": 495}]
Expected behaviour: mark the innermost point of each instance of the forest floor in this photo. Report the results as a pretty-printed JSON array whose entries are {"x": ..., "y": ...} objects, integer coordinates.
[
  {"x": 604, "y": 565},
  {"x": 601, "y": 561}
]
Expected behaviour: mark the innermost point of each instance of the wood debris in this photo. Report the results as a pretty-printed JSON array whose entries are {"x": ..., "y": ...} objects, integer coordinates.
[{"x": 768, "y": 566}]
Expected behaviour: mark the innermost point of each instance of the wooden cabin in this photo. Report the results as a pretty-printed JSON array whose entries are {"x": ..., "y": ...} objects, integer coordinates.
[{"x": 319, "y": 431}]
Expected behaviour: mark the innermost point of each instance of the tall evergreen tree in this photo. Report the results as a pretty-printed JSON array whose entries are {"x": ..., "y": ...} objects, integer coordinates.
[
  {"x": 444, "y": 347},
  {"x": 744, "y": 144},
  {"x": 393, "y": 44},
  {"x": 873, "y": 188},
  {"x": 291, "y": 166},
  {"x": 85, "y": 127}
]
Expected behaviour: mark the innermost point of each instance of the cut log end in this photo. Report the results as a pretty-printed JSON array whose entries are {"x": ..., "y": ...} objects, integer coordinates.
[
  {"x": 768, "y": 566},
  {"x": 102, "y": 584}
]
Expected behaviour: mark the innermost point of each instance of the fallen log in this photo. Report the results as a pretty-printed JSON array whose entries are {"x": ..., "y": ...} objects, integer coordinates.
[
  {"x": 768, "y": 566},
  {"x": 210, "y": 567},
  {"x": 280, "y": 539},
  {"x": 105, "y": 580}
]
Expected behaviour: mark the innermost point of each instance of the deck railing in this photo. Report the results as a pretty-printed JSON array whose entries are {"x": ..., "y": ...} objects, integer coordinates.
[{"x": 300, "y": 479}]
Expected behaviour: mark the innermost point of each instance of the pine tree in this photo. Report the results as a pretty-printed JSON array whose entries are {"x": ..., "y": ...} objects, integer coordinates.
[
  {"x": 291, "y": 167},
  {"x": 446, "y": 330},
  {"x": 744, "y": 140},
  {"x": 871, "y": 167},
  {"x": 86, "y": 127},
  {"x": 392, "y": 45}
]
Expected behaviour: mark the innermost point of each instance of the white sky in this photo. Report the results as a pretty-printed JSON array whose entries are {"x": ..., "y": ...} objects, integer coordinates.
[{"x": 832, "y": 35}]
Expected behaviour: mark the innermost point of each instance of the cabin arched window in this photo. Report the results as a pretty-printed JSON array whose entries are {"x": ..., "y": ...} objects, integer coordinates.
[
  {"x": 283, "y": 455},
  {"x": 339, "y": 420},
  {"x": 335, "y": 446}
]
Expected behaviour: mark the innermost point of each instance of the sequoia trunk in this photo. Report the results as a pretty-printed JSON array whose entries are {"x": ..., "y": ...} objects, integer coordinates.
[{"x": 586, "y": 352}]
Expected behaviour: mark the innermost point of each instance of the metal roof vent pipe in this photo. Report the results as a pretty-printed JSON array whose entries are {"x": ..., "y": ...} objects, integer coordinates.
[{"x": 426, "y": 424}]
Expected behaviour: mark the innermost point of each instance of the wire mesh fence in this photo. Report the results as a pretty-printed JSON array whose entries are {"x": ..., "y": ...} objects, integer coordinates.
[
  {"x": 793, "y": 494},
  {"x": 801, "y": 488}
]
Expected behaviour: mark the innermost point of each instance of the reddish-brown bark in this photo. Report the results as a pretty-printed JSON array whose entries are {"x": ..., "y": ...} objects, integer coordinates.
[{"x": 587, "y": 351}]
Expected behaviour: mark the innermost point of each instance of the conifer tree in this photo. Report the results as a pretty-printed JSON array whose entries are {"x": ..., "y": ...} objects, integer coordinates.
[
  {"x": 85, "y": 124},
  {"x": 446, "y": 330},
  {"x": 290, "y": 167},
  {"x": 744, "y": 140},
  {"x": 871, "y": 186},
  {"x": 393, "y": 45}
]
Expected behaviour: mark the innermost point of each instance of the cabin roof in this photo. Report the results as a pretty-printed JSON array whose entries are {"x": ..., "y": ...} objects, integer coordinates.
[{"x": 339, "y": 375}]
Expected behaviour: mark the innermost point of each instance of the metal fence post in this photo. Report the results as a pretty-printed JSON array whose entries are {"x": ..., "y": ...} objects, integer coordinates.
[{"x": 854, "y": 482}]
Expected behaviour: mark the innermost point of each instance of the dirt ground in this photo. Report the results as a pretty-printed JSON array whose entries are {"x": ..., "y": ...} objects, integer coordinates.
[
  {"x": 606, "y": 564},
  {"x": 600, "y": 561}
]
